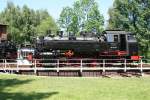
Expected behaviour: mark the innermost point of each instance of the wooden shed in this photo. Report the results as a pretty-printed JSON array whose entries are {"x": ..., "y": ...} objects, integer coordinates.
[{"x": 3, "y": 32}]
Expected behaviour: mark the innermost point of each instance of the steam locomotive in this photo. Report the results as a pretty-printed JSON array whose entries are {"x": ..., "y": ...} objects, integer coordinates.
[{"x": 111, "y": 44}]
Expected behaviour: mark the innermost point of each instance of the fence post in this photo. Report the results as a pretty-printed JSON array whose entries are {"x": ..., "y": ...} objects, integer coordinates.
[
  {"x": 35, "y": 67},
  {"x": 5, "y": 65},
  {"x": 17, "y": 66},
  {"x": 103, "y": 65},
  {"x": 141, "y": 69},
  {"x": 81, "y": 65},
  {"x": 57, "y": 65},
  {"x": 125, "y": 65}
]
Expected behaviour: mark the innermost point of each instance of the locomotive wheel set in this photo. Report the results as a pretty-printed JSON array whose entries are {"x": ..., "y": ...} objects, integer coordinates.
[{"x": 113, "y": 51}]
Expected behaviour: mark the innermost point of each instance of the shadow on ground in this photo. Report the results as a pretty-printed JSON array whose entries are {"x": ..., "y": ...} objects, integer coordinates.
[
  {"x": 5, "y": 83},
  {"x": 22, "y": 96}
]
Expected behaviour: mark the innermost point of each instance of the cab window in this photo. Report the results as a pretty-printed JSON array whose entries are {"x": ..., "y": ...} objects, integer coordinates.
[
  {"x": 131, "y": 38},
  {"x": 110, "y": 38},
  {"x": 115, "y": 38}
]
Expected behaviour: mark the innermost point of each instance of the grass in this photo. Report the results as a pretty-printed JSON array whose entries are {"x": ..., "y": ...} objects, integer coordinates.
[{"x": 14, "y": 87}]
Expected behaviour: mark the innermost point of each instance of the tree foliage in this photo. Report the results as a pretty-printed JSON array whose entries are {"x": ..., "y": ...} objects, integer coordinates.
[
  {"x": 134, "y": 16},
  {"x": 25, "y": 23},
  {"x": 46, "y": 25},
  {"x": 83, "y": 16},
  {"x": 66, "y": 18}
]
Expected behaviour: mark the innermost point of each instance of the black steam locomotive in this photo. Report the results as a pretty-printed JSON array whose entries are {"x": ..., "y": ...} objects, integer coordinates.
[{"x": 111, "y": 44}]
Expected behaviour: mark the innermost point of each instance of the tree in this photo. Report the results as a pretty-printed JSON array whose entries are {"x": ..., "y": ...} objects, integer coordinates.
[
  {"x": 25, "y": 23},
  {"x": 66, "y": 18},
  {"x": 94, "y": 21},
  {"x": 134, "y": 16},
  {"x": 46, "y": 25},
  {"x": 83, "y": 16}
]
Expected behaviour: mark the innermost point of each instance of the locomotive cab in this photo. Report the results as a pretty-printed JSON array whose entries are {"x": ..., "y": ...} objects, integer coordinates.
[
  {"x": 117, "y": 40},
  {"x": 121, "y": 43}
]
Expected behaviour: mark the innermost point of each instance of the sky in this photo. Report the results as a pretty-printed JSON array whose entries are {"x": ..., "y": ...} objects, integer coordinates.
[{"x": 54, "y": 7}]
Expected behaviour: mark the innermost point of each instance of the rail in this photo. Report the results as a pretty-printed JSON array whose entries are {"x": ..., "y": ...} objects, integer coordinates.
[{"x": 75, "y": 65}]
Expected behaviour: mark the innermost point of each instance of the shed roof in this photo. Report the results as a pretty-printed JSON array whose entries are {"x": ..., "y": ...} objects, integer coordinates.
[
  {"x": 3, "y": 24},
  {"x": 115, "y": 32}
]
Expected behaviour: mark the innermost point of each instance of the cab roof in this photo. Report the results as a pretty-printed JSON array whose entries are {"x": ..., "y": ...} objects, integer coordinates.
[{"x": 3, "y": 24}]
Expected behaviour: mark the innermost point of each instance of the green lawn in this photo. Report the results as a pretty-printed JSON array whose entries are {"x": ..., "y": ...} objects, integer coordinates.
[{"x": 13, "y": 87}]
